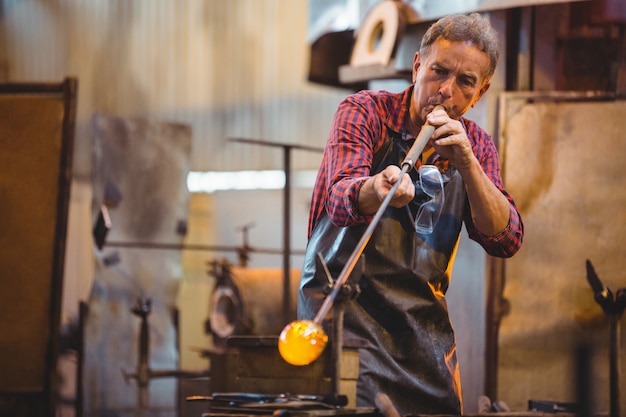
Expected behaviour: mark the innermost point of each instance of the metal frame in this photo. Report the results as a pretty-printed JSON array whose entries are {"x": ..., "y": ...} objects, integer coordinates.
[
  {"x": 497, "y": 306},
  {"x": 66, "y": 91}
]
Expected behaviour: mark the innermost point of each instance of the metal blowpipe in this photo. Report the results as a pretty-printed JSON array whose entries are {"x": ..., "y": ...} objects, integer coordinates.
[
  {"x": 309, "y": 336},
  {"x": 420, "y": 142},
  {"x": 409, "y": 162}
]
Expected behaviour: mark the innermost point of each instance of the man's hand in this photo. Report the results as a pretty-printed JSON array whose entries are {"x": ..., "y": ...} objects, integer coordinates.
[
  {"x": 376, "y": 188},
  {"x": 488, "y": 206},
  {"x": 450, "y": 139}
]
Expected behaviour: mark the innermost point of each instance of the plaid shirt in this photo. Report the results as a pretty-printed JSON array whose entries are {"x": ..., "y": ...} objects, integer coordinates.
[{"x": 359, "y": 129}]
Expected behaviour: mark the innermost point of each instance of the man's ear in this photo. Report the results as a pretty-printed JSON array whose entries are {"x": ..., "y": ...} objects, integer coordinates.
[
  {"x": 481, "y": 92},
  {"x": 416, "y": 65}
]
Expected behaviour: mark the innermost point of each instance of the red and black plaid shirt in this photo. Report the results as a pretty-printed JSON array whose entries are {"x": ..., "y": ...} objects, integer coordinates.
[{"x": 359, "y": 129}]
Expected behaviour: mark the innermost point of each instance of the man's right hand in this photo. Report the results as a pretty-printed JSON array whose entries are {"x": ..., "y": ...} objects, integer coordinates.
[{"x": 376, "y": 188}]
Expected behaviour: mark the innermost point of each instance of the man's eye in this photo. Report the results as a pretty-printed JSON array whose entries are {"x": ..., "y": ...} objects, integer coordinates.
[
  {"x": 439, "y": 71},
  {"x": 466, "y": 82}
]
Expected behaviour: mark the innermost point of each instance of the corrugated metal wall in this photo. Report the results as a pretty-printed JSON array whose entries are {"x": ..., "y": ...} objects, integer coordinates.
[{"x": 234, "y": 68}]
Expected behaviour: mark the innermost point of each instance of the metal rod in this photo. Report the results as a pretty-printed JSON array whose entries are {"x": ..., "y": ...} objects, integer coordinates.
[
  {"x": 583, "y": 379},
  {"x": 210, "y": 248},
  {"x": 613, "y": 306},
  {"x": 354, "y": 257},
  {"x": 614, "y": 364},
  {"x": 409, "y": 162},
  {"x": 337, "y": 347},
  {"x": 286, "y": 236},
  {"x": 277, "y": 144}
]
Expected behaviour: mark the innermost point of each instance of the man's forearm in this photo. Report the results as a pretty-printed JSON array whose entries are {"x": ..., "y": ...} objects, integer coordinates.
[{"x": 489, "y": 207}]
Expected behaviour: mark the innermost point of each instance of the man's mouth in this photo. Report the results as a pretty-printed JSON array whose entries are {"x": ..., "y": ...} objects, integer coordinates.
[{"x": 433, "y": 105}]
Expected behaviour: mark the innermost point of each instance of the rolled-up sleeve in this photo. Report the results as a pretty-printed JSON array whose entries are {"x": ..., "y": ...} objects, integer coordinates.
[
  {"x": 348, "y": 158},
  {"x": 504, "y": 244}
]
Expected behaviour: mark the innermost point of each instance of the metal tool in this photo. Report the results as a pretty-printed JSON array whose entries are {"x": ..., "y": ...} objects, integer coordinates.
[
  {"x": 315, "y": 325},
  {"x": 409, "y": 162},
  {"x": 613, "y": 305},
  {"x": 144, "y": 373}
]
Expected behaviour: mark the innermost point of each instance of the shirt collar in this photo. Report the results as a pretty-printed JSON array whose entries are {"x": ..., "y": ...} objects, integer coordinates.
[{"x": 400, "y": 112}]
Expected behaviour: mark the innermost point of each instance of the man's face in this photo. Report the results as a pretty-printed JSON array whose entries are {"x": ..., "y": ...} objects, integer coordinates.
[{"x": 452, "y": 74}]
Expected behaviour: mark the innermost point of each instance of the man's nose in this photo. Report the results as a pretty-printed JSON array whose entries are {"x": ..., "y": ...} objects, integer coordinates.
[{"x": 445, "y": 88}]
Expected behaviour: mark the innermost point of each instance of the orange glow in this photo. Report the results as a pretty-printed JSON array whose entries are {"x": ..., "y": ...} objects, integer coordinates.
[{"x": 301, "y": 342}]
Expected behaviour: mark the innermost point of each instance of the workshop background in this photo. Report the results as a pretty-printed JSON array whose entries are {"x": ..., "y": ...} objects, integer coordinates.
[{"x": 171, "y": 94}]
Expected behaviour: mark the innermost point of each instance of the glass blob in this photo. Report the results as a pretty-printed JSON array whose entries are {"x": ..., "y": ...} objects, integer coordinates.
[{"x": 301, "y": 342}]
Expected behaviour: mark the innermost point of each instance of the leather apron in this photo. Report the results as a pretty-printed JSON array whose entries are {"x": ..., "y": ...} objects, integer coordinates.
[{"x": 401, "y": 311}]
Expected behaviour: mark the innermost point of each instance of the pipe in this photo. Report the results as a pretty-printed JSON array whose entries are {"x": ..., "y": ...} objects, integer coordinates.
[{"x": 409, "y": 162}]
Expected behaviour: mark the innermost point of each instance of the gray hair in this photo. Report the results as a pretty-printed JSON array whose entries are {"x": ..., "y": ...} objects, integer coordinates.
[{"x": 460, "y": 27}]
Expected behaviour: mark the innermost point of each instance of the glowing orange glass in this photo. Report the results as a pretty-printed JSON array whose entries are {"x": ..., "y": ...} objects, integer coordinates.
[{"x": 301, "y": 342}]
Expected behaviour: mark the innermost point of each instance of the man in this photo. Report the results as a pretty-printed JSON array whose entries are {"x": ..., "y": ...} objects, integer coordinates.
[{"x": 401, "y": 310}]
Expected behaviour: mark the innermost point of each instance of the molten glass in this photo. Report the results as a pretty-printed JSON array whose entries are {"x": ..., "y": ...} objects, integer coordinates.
[{"x": 301, "y": 342}]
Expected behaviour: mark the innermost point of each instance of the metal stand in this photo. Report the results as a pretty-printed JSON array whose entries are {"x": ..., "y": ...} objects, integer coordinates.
[
  {"x": 613, "y": 306},
  {"x": 286, "y": 212},
  {"x": 349, "y": 292},
  {"x": 143, "y": 373},
  {"x": 337, "y": 347}
]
